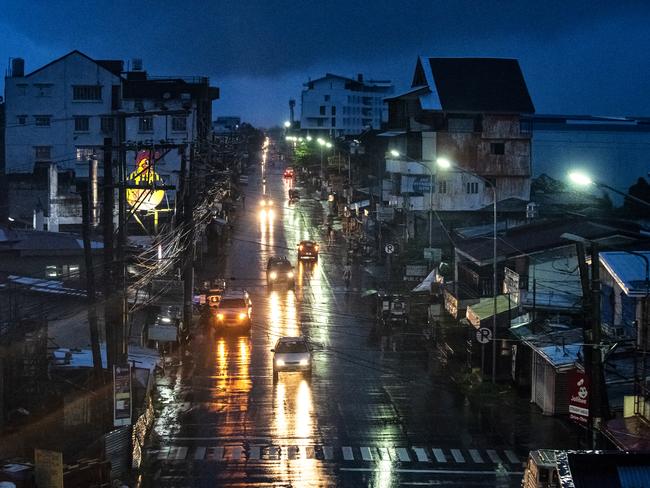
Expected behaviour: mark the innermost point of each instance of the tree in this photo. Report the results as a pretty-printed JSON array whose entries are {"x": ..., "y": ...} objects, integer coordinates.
[{"x": 640, "y": 190}]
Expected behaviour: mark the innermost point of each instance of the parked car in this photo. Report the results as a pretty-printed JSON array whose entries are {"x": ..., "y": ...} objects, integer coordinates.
[
  {"x": 291, "y": 354},
  {"x": 279, "y": 271},
  {"x": 234, "y": 310},
  {"x": 308, "y": 250}
]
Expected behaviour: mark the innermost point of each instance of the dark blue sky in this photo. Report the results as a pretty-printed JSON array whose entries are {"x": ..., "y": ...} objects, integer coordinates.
[{"x": 587, "y": 57}]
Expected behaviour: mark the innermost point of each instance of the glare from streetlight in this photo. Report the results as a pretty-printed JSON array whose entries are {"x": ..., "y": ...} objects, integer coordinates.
[
  {"x": 300, "y": 139},
  {"x": 328, "y": 144},
  {"x": 580, "y": 178},
  {"x": 287, "y": 138},
  {"x": 287, "y": 124},
  {"x": 320, "y": 141},
  {"x": 308, "y": 138},
  {"x": 394, "y": 153},
  {"x": 443, "y": 163}
]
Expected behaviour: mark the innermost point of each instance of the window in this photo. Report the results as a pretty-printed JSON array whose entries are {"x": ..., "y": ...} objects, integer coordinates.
[
  {"x": 327, "y": 98},
  {"x": 179, "y": 124},
  {"x": 43, "y": 89},
  {"x": 442, "y": 186},
  {"x": 322, "y": 109},
  {"x": 86, "y": 92},
  {"x": 497, "y": 148},
  {"x": 333, "y": 121},
  {"x": 107, "y": 125},
  {"x": 472, "y": 187},
  {"x": 42, "y": 120},
  {"x": 333, "y": 109},
  {"x": 81, "y": 124},
  {"x": 43, "y": 153},
  {"x": 85, "y": 153},
  {"x": 145, "y": 124},
  {"x": 22, "y": 119}
]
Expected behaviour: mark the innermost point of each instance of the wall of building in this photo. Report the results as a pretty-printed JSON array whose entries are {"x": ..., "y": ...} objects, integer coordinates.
[{"x": 49, "y": 92}]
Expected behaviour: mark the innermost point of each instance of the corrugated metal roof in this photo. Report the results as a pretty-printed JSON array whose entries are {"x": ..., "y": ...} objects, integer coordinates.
[
  {"x": 627, "y": 269},
  {"x": 634, "y": 476},
  {"x": 485, "y": 308}
]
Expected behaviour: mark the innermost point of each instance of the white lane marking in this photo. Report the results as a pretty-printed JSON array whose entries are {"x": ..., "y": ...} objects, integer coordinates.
[
  {"x": 328, "y": 453},
  {"x": 366, "y": 454},
  {"x": 457, "y": 455},
  {"x": 494, "y": 457},
  {"x": 434, "y": 471},
  {"x": 476, "y": 456},
  {"x": 199, "y": 453},
  {"x": 403, "y": 454},
  {"x": 254, "y": 452},
  {"x": 347, "y": 453},
  {"x": 439, "y": 455},
  {"x": 384, "y": 453},
  {"x": 512, "y": 457},
  {"x": 421, "y": 454},
  {"x": 181, "y": 453}
]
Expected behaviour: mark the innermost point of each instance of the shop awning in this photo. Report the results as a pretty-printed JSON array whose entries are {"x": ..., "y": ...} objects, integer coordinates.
[
  {"x": 484, "y": 309},
  {"x": 425, "y": 286}
]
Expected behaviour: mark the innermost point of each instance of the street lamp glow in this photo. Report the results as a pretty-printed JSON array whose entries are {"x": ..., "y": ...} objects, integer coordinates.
[
  {"x": 309, "y": 138},
  {"x": 581, "y": 179},
  {"x": 300, "y": 139},
  {"x": 320, "y": 141},
  {"x": 443, "y": 163},
  {"x": 287, "y": 124},
  {"x": 394, "y": 153},
  {"x": 328, "y": 144}
]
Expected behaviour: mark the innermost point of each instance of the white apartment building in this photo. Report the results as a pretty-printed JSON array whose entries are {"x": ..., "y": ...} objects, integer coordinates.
[
  {"x": 59, "y": 113},
  {"x": 343, "y": 106}
]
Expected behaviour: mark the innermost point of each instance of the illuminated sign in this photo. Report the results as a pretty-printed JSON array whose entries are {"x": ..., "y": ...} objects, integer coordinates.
[{"x": 145, "y": 198}]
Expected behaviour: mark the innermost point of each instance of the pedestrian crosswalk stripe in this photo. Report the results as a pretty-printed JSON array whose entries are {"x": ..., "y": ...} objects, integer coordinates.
[
  {"x": 476, "y": 456},
  {"x": 328, "y": 453},
  {"x": 366, "y": 454},
  {"x": 458, "y": 456},
  {"x": 439, "y": 455},
  {"x": 512, "y": 457},
  {"x": 403, "y": 455},
  {"x": 199, "y": 453},
  {"x": 254, "y": 452},
  {"x": 421, "y": 454},
  {"x": 260, "y": 452},
  {"x": 494, "y": 457},
  {"x": 347, "y": 453}
]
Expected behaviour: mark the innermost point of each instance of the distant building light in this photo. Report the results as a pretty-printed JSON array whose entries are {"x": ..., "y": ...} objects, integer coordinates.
[{"x": 11, "y": 219}]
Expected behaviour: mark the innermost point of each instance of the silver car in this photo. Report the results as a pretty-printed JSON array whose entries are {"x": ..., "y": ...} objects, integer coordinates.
[{"x": 291, "y": 354}]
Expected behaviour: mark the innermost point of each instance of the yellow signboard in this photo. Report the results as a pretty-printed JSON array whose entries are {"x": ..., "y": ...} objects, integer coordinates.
[{"x": 147, "y": 197}]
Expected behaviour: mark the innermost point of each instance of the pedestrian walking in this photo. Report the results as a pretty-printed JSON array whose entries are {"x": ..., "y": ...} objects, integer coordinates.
[
  {"x": 347, "y": 274},
  {"x": 330, "y": 234}
]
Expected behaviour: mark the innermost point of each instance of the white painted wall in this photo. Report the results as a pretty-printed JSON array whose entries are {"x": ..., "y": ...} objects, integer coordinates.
[{"x": 23, "y": 97}]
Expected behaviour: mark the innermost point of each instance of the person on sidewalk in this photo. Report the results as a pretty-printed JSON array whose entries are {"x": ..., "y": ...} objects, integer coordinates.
[{"x": 347, "y": 274}]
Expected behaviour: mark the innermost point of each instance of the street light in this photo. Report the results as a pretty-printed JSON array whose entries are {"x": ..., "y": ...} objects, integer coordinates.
[
  {"x": 445, "y": 163},
  {"x": 287, "y": 124},
  {"x": 583, "y": 179},
  {"x": 321, "y": 143},
  {"x": 397, "y": 154}
]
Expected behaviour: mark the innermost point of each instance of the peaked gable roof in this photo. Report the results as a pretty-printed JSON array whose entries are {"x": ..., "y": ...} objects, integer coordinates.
[
  {"x": 113, "y": 66},
  {"x": 475, "y": 84}
]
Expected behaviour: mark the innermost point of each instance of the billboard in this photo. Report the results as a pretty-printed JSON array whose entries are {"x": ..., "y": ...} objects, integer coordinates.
[{"x": 579, "y": 397}]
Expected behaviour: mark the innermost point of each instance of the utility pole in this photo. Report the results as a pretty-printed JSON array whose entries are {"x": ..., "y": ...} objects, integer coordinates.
[
  {"x": 599, "y": 393},
  {"x": 86, "y": 216},
  {"x": 120, "y": 263},
  {"x": 109, "y": 204},
  {"x": 188, "y": 220}
]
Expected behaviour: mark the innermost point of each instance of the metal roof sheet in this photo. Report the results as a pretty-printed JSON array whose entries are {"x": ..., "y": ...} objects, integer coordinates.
[{"x": 627, "y": 269}]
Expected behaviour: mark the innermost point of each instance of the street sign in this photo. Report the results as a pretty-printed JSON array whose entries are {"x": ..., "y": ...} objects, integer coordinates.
[
  {"x": 422, "y": 184},
  {"x": 415, "y": 272},
  {"x": 484, "y": 335},
  {"x": 389, "y": 248},
  {"x": 578, "y": 397},
  {"x": 433, "y": 254},
  {"x": 121, "y": 395}
]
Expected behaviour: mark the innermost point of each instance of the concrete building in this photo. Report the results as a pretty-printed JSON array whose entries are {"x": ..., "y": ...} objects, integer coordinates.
[
  {"x": 226, "y": 125},
  {"x": 467, "y": 110},
  {"x": 338, "y": 106}
]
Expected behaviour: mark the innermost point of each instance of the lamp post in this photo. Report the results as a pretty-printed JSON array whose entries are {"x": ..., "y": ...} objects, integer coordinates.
[
  {"x": 321, "y": 142},
  {"x": 582, "y": 179},
  {"x": 446, "y": 164},
  {"x": 397, "y": 154}
]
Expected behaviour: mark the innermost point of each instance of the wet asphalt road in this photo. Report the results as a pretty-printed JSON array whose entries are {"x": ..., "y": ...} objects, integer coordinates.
[{"x": 372, "y": 415}]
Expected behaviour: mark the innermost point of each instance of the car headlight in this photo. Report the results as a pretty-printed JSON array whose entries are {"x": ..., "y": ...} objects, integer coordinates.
[
  {"x": 273, "y": 275},
  {"x": 242, "y": 316},
  {"x": 279, "y": 362},
  {"x": 263, "y": 203},
  {"x": 219, "y": 316},
  {"x": 269, "y": 203},
  {"x": 304, "y": 362},
  {"x": 290, "y": 274}
]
